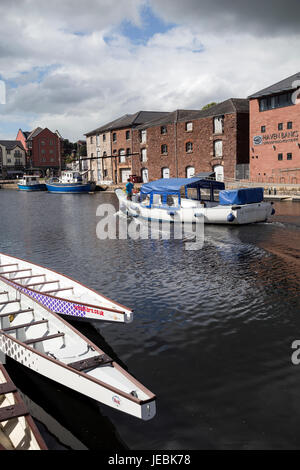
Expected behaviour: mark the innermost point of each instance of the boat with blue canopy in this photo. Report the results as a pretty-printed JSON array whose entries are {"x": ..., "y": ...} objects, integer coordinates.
[{"x": 196, "y": 200}]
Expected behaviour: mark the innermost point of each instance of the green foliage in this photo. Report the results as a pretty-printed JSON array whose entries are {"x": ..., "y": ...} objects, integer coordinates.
[{"x": 209, "y": 105}]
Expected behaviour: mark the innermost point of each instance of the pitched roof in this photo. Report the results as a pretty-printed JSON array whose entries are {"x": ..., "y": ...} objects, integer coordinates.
[
  {"x": 231, "y": 106},
  {"x": 284, "y": 85},
  {"x": 34, "y": 133},
  {"x": 11, "y": 144},
  {"x": 128, "y": 120}
]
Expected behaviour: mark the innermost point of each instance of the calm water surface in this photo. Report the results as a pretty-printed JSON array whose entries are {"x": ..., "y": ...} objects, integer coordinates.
[{"x": 211, "y": 336}]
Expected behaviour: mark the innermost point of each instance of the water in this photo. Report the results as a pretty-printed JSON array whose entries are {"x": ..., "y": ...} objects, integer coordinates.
[{"x": 211, "y": 336}]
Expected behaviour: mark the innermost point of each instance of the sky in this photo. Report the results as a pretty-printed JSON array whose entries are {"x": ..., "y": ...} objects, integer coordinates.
[{"x": 72, "y": 66}]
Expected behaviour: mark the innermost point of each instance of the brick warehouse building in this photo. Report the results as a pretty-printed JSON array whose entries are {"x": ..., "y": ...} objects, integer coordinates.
[
  {"x": 110, "y": 147},
  {"x": 274, "y": 133},
  {"x": 43, "y": 149},
  {"x": 184, "y": 143}
]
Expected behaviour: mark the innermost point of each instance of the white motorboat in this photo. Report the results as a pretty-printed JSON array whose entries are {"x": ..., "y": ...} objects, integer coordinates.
[
  {"x": 60, "y": 293},
  {"x": 44, "y": 342},
  {"x": 17, "y": 428},
  {"x": 196, "y": 200}
]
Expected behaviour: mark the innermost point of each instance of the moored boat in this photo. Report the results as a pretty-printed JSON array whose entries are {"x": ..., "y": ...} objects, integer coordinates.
[
  {"x": 60, "y": 293},
  {"x": 44, "y": 342},
  {"x": 196, "y": 200},
  {"x": 31, "y": 183},
  {"x": 69, "y": 182},
  {"x": 17, "y": 428}
]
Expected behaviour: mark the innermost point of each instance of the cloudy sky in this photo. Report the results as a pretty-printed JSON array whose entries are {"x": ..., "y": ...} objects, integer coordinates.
[{"x": 73, "y": 66}]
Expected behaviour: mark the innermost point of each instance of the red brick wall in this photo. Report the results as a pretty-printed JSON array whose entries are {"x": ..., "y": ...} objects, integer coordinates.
[
  {"x": 235, "y": 147},
  {"x": 37, "y": 146},
  {"x": 264, "y": 163},
  {"x": 121, "y": 143}
]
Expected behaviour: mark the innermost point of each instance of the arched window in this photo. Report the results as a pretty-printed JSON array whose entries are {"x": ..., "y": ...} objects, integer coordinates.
[{"x": 122, "y": 156}]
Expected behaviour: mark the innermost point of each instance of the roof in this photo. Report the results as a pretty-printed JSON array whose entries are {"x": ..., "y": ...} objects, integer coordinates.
[
  {"x": 231, "y": 106},
  {"x": 128, "y": 120},
  {"x": 284, "y": 85},
  {"x": 34, "y": 133},
  {"x": 11, "y": 144},
  {"x": 173, "y": 185}
]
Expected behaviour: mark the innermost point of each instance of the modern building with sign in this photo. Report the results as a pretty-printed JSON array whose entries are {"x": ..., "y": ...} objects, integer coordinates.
[{"x": 274, "y": 133}]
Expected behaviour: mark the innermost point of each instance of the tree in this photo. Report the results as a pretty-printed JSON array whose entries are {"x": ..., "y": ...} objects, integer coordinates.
[{"x": 209, "y": 105}]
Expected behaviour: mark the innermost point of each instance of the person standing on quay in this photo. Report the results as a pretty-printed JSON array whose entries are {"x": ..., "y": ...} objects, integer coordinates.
[{"x": 129, "y": 188}]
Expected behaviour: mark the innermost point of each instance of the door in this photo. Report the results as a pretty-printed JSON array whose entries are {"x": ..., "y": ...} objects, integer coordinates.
[
  {"x": 190, "y": 172},
  {"x": 219, "y": 172},
  {"x": 145, "y": 175},
  {"x": 166, "y": 172},
  {"x": 125, "y": 174}
]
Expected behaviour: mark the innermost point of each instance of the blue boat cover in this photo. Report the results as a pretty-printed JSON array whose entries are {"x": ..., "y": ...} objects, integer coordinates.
[
  {"x": 173, "y": 185},
  {"x": 241, "y": 196}
]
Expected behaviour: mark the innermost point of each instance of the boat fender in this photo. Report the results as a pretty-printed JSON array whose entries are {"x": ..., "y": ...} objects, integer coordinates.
[
  {"x": 198, "y": 215},
  {"x": 230, "y": 218},
  {"x": 273, "y": 211},
  {"x": 172, "y": 213},
  {"x": 234, "y": 208}
]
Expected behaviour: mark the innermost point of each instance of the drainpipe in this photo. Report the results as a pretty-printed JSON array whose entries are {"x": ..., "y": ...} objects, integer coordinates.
[{"x": 175, "y": 138}]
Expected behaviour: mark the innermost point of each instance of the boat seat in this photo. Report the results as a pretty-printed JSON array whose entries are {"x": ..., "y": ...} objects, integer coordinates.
[
  {"x": 43, "y": 338},
  {"x": 16, "y": 271},
  {"x": 57, "y": 290},
  {"x": 13, "y": 411},
  {"x": 17, "y": 312},
  {"x": 41, "y": 283},
  {"x": 24, "y": 325}
]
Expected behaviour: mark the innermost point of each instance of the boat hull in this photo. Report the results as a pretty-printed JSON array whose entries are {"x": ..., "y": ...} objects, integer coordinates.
[
  {"x": 220, "y": 215},
  {"x": 32, "y": 187},
  {"x": 83, "y": 303},
  {"x": 69, "y": 188},
  {"x": 45, "y": 343}
]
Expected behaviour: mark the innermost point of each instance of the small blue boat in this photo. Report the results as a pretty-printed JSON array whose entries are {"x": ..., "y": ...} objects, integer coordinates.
[
  {"x": 70, "y": 182},
  {"x": 31, "y": 183}
]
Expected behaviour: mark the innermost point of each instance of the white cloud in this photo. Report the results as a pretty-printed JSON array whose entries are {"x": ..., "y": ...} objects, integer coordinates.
[{"x": 76, "y": 82}]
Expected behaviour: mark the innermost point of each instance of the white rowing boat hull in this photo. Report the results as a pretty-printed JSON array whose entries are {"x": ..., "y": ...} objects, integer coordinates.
[
  {"x": 60, "y": 293},
  {"x": 42, "y": 341},
  {"x": 17, "y": 428}
]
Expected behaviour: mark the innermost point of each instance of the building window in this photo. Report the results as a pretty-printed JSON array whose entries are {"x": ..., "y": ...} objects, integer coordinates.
[
  {"x": 163, "y": 130},
  {"x": 91, "y": 140},
  {"x": 189, "y": 126},
  {"x": 218, "y": 148},
  {"x": 105, "y": 173},
  {"x": 104, "y": 154},
  {"x": 8, "y": 152},
  {"x": 280, "y": 126},
  {"x": 127, "y": 135},
  {"x": 43, "y": 151},
  {"x": 114, "y": 137},
  {"x": 122, "y": 156},
  {"x": 51, "y": 151},
  {"x": 263, "y": 129},
  {"x": 278, "y": 101},
  {"x": 8, "y": 160},
  {"x": 290, "y": 125},
  {"x": 189, "y": 147},
  {"x": 51, "y": 142},
  {"x": 164, "y": 149},
  {"x": 98, "y": 139},
  {"x": 144, "y": 155},
  {"x": 289, "y": 156},
  {"x": 104, "y": 137},
  {"x": 280, "y": 156},
  {"x": 219, "y": 125},
  {"x": 42, "y": 142},
  {"x": 143, "y": 136}
]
